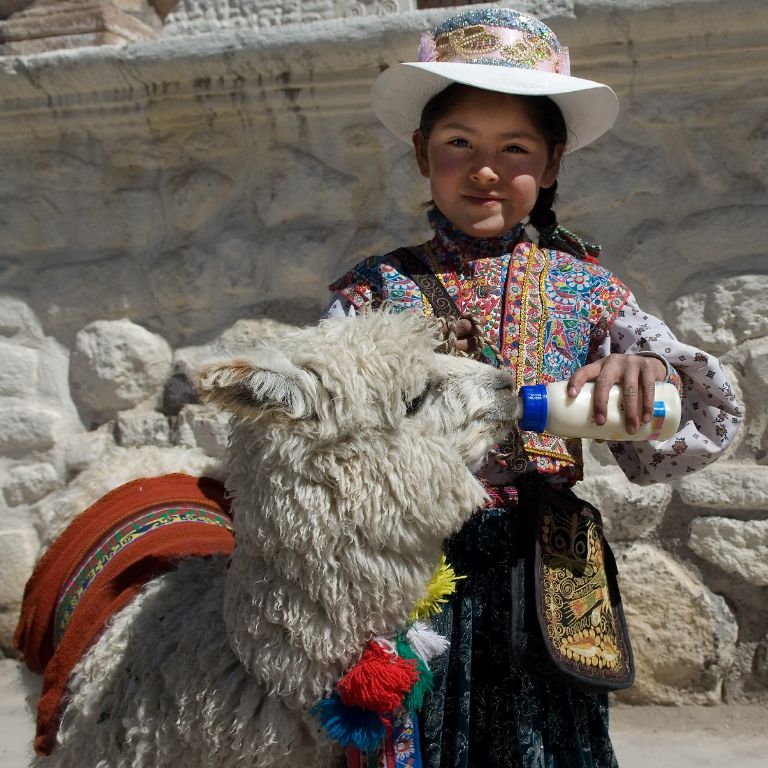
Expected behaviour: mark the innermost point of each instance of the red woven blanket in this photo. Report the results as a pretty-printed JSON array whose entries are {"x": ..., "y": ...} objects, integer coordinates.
[{"x": 104, "y": 557}]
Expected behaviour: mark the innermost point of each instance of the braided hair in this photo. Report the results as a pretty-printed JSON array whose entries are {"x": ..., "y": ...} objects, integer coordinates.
[
  {"x": 548, "y": 118},
  {"x": 554, "y": 235}
]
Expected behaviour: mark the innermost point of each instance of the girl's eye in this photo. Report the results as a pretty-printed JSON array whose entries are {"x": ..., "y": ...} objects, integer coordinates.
[
  {"x": 459, "y": 142},
  {"x": 515, "y": 148}
]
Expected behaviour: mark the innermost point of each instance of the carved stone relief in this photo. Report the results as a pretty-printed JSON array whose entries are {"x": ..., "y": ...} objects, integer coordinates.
[
  {"x": 45, "y": 25},
  {"x": 207, "y": 15}
]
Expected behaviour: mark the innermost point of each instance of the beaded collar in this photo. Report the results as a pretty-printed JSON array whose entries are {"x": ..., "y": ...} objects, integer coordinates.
[{"x": 460, "y": 247}]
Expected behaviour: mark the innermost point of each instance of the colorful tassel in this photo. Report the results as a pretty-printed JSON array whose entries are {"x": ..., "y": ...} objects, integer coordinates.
[
  {"x": 379, "y": 681},
  {"x": 349, "y": 726},
  {"x": 442, "y": 584},
  {"x": 415, "y": 697},
  {"x": 426, "y": 643}
]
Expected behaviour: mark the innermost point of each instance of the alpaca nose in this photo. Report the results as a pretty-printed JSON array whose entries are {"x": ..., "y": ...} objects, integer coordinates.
[
  {"x": 506, "y": 381},
  {"x": 506, "y": 392},
  {"x": 510, "y": 404}
]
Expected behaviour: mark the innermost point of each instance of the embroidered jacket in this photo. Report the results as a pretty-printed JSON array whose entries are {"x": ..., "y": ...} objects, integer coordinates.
[{"x": 549, "y": 313}]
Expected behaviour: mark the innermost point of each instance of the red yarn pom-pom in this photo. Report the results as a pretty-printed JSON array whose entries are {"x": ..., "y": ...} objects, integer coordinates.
[{"x": 379, "y": 681}]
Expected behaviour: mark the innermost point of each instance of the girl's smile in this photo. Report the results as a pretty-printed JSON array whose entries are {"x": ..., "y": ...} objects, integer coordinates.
[{"x": 486, "y": 161}]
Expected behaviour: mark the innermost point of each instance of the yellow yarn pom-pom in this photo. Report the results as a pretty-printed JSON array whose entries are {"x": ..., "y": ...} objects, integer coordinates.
[{"x": 442, "y": 584}]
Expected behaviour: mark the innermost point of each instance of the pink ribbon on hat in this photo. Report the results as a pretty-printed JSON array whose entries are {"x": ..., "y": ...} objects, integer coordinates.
[{"x": 484, "y": 44}]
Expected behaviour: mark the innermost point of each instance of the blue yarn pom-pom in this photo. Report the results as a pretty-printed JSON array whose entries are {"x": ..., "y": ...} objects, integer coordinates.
[{"x": 349, "y": 726}]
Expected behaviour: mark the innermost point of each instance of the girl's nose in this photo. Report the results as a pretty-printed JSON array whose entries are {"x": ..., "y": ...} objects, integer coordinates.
[{"x": 485, "y": 175}]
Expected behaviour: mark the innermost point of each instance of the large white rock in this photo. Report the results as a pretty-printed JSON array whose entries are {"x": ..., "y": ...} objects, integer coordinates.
[
  {"x": 25, "y": 428},
  {"x": 53, "y": 390},
  {"x": 726, "y": 485},
  {"x": 629, "y": 511},
  {"x": 18, "y": 372},
  {"x": 205, "y": 427},
  {"x": 756, "y": 368},
  {"x": 727, "y": 313},
  {"x": 18, "y": 552},
  {"x": 735, "y": 546},
  {"x": 117, "y": 364},
  {"x": 28, "y": 483},
  {"x": 683, "y": 636},
  {"x": 139, "y": 426}
]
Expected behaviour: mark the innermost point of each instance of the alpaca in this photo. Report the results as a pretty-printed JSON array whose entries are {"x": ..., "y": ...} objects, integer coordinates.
[{"x": 349, "y": 463}]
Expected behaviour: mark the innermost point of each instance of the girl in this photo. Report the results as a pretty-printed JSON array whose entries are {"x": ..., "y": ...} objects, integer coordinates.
[{"x": 491, "y": 110}]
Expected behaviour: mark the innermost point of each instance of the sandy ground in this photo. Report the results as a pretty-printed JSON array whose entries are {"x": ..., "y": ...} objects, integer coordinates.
[{"x": 644, "y": 737}]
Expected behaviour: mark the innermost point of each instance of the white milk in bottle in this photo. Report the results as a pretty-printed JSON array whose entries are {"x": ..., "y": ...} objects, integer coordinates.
[{"x": 548, "y": 408}]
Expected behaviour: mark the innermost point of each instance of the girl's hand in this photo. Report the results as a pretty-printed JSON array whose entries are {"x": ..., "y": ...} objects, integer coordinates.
[
  {"x": 465, "y": 340},
  {"x": 637, "y": 375}
]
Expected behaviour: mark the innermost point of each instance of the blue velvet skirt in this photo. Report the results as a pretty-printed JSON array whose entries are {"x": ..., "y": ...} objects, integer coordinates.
[{"x": 487, "y": 710}]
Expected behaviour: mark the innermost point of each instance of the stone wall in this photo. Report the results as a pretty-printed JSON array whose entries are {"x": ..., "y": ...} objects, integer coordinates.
[{"x": 201, "y": 189}]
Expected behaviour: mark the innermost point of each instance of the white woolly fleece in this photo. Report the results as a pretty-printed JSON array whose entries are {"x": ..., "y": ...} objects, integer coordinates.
[{"x": 349, "y": 466}]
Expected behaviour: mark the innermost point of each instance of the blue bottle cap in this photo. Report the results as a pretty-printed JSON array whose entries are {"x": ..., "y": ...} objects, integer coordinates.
[{"x": 534, "y": 397}]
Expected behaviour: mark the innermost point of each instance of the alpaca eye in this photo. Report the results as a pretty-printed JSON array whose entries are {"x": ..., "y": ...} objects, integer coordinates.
[{"x": 413, "y": 406}]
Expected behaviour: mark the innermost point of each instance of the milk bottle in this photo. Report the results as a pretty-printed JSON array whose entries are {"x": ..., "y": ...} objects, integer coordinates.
[{"x": 548, "y": 408}]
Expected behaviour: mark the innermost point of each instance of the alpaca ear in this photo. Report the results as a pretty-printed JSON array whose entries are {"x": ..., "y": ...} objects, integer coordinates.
[{"x": 251, "y": 388}]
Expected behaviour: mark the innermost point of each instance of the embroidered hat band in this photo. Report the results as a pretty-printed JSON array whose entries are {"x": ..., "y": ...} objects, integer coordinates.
[{"x": 521, "y": 41}]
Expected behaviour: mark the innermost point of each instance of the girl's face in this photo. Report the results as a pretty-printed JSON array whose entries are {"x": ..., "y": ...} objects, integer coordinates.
[{"x": 486, "y": 161}]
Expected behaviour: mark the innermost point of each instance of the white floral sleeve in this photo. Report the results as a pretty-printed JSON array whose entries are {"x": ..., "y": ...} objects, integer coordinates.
[{"x": 710, "y": 418}]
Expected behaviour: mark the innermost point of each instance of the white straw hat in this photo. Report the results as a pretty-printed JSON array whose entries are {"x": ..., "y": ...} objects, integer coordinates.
[{"x": 496, "y": 49}]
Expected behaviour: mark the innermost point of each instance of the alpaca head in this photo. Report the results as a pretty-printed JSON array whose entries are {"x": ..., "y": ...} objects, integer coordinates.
[
  {"x": 349, "y": 463},
  {"x": 347, "y": 379}
]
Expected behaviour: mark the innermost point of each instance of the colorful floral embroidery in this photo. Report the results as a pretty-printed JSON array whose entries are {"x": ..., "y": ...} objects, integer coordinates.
[
  {"x": 588, "y": 314},
  {"x": 542, "y": 309}
]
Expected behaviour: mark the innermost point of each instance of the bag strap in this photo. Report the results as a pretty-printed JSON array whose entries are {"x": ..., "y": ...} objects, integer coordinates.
[{"x": 429, "y": 283}]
